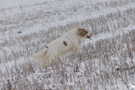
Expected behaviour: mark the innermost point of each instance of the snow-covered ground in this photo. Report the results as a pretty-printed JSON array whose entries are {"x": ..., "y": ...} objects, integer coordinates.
[{"x": 106, "y": 61}]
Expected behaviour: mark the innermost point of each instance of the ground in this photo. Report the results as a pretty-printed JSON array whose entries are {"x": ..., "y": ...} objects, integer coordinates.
[{"x": 106, "y": 61}]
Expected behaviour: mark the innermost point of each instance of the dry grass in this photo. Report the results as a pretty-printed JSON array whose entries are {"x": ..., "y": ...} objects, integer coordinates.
[{"x": 105, "y": 64}]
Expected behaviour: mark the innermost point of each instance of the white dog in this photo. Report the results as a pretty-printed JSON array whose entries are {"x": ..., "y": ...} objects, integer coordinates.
[{"x": 67, "y": 44}]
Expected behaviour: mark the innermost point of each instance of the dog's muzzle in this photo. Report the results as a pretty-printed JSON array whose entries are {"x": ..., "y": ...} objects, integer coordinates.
[{"x": 89, "y": 36}]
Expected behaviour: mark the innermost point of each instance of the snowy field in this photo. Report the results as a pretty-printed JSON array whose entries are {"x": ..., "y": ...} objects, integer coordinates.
[{"x": 106, "y": 61}]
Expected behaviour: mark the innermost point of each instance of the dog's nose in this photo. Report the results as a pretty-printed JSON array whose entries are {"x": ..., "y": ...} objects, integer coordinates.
[{"x": 88, "y": 36}]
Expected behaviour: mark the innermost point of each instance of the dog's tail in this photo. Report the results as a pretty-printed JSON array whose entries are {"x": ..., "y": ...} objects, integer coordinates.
[
  {"x": 38, "y": 57},
  {"x": 43, "y": 57}
]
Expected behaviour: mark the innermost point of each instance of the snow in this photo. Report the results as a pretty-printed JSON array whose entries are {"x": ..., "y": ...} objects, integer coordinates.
[
  {"x": 27, "y": 25},
  {"x": 18, "y": 3},
  {"x": 131, "y": 87}
]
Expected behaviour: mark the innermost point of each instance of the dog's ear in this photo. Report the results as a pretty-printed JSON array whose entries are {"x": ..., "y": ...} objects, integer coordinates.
[{"x": 82, "y": 32}]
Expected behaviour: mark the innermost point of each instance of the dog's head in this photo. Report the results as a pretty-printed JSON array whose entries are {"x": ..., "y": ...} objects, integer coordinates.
[{"x": 83, "y": 33}]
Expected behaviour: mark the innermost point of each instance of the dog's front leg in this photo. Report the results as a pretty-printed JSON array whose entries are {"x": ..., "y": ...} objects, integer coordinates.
[{"x": 76, "y": 49}]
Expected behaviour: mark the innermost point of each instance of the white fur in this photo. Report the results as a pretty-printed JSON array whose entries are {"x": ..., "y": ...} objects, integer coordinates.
[{"x": 57, "y": 49}]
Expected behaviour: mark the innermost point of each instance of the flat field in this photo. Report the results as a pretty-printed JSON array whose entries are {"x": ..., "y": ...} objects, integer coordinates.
[{"x": 106, "y": 61}]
